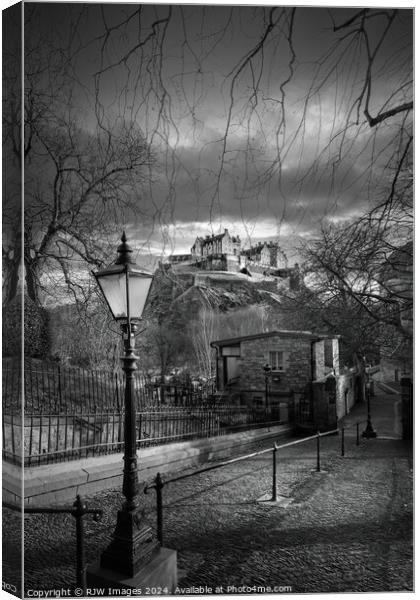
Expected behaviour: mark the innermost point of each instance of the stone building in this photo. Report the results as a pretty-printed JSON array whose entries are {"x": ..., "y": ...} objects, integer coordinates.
[
  {"x": 265, "y": 255},
  {"x": 211, "y": 245},
  {"x": 223, "y": 252},
  {"x": 179, "y": 258},
  {"x": 296, "y": 359}
]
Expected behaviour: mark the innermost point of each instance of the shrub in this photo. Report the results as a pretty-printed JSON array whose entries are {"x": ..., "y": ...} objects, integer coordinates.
[{"x": 35, "y": 330}]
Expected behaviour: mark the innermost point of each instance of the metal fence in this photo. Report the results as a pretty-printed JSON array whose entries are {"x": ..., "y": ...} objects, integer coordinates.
[
  {"x": 52, "y": 388},
  {"x": 71, "y": 413},
  {"x": 41, "y": 438}
]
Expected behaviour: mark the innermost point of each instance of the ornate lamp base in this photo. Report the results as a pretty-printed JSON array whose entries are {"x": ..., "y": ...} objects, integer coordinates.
[
  {"x": 133, "y": 544},
  {"x": 369, "y": 432},
  {"x": 158, "y": 577}
]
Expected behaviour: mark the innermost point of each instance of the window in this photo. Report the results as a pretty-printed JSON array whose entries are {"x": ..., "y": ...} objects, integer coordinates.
[
  {"x": 328, "y": 354},
  {"x": 276, "y": 360},
  {"x": 231, "y": 350}
]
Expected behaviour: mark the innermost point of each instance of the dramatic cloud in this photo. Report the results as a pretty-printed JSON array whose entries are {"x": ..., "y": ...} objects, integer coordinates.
[{"x": 254, "y": 114}]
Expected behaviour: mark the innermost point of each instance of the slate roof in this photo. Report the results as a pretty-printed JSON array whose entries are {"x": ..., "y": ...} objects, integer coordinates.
[{"x": 277, "y": 333}]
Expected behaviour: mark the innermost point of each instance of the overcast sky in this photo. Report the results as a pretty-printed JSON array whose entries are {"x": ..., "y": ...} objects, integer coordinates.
[{"x": 257, "y": 174}]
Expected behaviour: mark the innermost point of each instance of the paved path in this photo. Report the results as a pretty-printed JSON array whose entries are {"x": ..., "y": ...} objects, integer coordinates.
[
  {"x": 346, "y": 529},
  {"x": 385, "y": 415}
]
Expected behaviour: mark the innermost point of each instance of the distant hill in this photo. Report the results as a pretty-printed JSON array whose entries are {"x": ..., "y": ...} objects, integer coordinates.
[
  {"x": 177, "y": 297},
  {"x": 223, "y": 291}
]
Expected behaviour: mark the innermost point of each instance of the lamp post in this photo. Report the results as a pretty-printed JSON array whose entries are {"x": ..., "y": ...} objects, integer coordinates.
[
  {"x": 126, "y": 288},
  {"x": 369, "y": 432},
  {"x": 267, "y": 371}
]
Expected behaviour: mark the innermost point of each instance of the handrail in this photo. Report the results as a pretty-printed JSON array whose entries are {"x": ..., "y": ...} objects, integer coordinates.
[
  {"x": 51, "y": 510},
  {"x": 77, "y": 510},
  {"x": 242, "y": 457},
  {"x": 159, "y": 484},
  {"x": 35, "y": 510}
]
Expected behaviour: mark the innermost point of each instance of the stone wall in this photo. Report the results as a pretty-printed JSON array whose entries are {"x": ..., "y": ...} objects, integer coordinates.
[
  {"x": 346, "y": 393},
  {"x": 391, "y": 370},
  {"x": 214, "y": 263},
  {"x": 407, "y": 408},
  {"x": 65, "y": 435},
  {"x": 333, "y": 399},
  {"x": 53, "y": 484},
  {"x": 297, "y": 362},
  {"x": 324, "y": 395}
]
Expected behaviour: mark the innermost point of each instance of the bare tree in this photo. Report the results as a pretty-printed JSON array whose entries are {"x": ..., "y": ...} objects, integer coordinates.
[
  {"x": 163, "y": 66},
  {"x": 217, "y": 91},
  {"x": 359, "y": 281},
  {"x": 328, "y": 117},
  {"x": 85, "y": 338},
  {"x": 211, "y": 324},
  {"x": 370, "y": 259},
  {"x": 203, "y": 332},
  {"x": 82, "y": 177}
]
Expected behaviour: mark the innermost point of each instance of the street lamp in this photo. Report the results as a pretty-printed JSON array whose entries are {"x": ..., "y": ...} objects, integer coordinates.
[
  {"x": 267, "y": 371},
  {"x": 126, "y": 288},
  {"x": 369, "y": 432}
]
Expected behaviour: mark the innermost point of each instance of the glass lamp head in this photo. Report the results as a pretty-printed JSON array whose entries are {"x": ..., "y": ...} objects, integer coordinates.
[{"x": 125, "y": 285}]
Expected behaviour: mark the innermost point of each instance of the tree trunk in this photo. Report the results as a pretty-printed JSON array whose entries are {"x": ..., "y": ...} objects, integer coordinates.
[
  {"x": 360, "y": 378},
  {"x": 13, "y": 271},
  {"x": 12, "y": 255},
  {"x": 31, "y": 280},
  {"x": 10, "y": 278}
]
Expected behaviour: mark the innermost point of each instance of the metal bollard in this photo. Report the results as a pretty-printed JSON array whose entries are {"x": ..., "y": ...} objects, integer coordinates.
[
  {"x": 274, "y": 495},
  {"x": 318, "y": 451},
  {"x": 78, "y": 513},
  {"x": 342, "y": 442},
  {"x": 159, "y": 507},
  {"x": 357, "y": 435}
]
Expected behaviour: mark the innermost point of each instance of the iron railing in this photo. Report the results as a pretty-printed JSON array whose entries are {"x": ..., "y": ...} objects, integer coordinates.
[
  {"x": 40, "y": 438},
  {"x": 78, "y": 511},
  {"x": 55, "y": 389},
  {"x": 159, "y": 483}
]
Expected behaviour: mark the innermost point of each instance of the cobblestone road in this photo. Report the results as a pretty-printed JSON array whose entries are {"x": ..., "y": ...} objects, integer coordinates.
[{"x": 347, "y": 529}]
